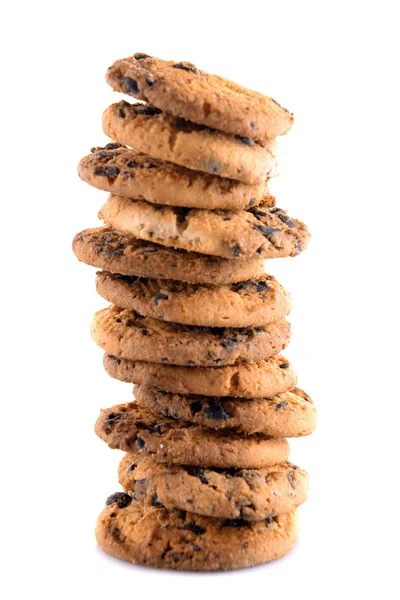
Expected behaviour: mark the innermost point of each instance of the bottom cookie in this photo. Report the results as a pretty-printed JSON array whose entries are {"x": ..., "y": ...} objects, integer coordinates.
[{"x": 183, "y": 541}]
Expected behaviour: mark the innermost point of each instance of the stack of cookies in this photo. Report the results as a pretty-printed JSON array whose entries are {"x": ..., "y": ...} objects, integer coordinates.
[{"x": 194, "y": 322}]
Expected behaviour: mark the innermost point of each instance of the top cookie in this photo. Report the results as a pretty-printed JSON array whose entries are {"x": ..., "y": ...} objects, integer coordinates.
[
  {"x": 184, "y": 91},
  {"x": 125, "y": 172}
]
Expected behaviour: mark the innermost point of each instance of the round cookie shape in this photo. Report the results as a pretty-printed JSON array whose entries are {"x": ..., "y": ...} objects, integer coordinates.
[
  {"x": 125, "y": 172},
  {"x": 104, "y": 248},
  {"x": 229, "y": 234},
  {"x": 136, "y": 429},
  {"x": 290, "y": 414},
  {"x": 248, "y": 494},
  {"x": 182, "y": 541},
  {"x": 183, "y": 90},
  {"x": 127, "y": 334},
  {"x": 245, "y": 380},
  {"x": 253, "y": 303},
  {"x": 158, "y": 134}
]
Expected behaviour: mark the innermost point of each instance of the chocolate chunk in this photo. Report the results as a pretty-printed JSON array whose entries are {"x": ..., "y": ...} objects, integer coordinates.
[
  {"x": 146, "y": 109},
  {"x": 212, "y": 165},
  {"x": 230, "y": 343},
  {"x": 197, "y": 472},
  {"x": 121, "y": 499},
  {"x": 244, "y": 140},
  {"x": 217, "y": 412},
  {"x": 291, "y": 480},
  {"x": 297, "y": 246},
  {"x": 236, "y": 523},
  {"x": 186, "y": 66},
  {"x": 284, "y": 366},
  {"x": 110, "y": 171},
  {"x": 196, "y": 406},
  {"x": 131, "y": 467},
  {"x": 287, "y": 220},
  {"x": 236, "y": 250},
  {"x": 262, "y": 286},
  {"x": 113, "y": 418},
  {"x": 122, "y": 113},
  {"x": 130, "y": 84},
  {"x": 194, "y": 528},
  {"x": 141, "y": 55},
  {"x": 100, "y": 171},
  {"x": 116, "y": 533},
  {"x": 154, "y": 501},
  {"x": 159, "y": 297},
  {"x": 267, "y": 231},
  {"x": 112, "y": 146},
  {"x": 281, "y": 405},
  {"x": 157, "y": 428},
  {"x": 141, "y": 443},
  {"x": 268, "y": 520}
]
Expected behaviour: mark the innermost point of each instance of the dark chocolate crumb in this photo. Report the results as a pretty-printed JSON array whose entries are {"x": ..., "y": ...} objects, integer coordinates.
[
  {"x": 141, "y": 443},
  {"x": 131, "y": 467},
  {"x": 141, "y": 55},
  {"x": 284, "y": 366},
  {"x": 196, "y": 548},
  {"x": 122, "y": 113}
]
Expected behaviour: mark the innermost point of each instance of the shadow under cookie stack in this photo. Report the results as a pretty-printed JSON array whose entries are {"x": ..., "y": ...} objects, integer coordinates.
[{"x": 194, "y": 322}]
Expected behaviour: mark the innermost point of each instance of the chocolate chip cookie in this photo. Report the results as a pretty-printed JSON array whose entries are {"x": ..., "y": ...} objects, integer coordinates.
[
  {"x": 253, "y": 303},
  {"x": 127, "y": 334},
  {"x": 125, "y": 172},
  {"x": 290, "y": 414},
  {"x": 178, "y": 540},
  {"x": 230, "y": 234},
  {"x": 183, "y": 90},
  {"x": 158, "y": 134},
  {"x": 134, "y": 428},
  {"x": 105, "y": 248},
  {"x": 260, "y": 379},
  {"x": 248, "y": 494}
]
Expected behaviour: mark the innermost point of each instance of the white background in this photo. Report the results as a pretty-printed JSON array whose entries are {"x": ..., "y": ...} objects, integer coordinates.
[{"x": 336, "y": 65}]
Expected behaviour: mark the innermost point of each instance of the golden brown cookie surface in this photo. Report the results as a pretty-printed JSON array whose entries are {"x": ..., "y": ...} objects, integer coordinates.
[
  {"x": 266, "y": 233},
  {"x": 104, "y": 248},
  {"x": 134, "y": 428},
  {"x": 245, "y": 380},
  {"x": 125, "y": 172},
  {"x": 248, "y": 494},
  {"x": 189, "y": 145},
  {"x": 183, "y": 90},
  {"x": 127, "y": 334},
  {"x": 155, "y": 537}
]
